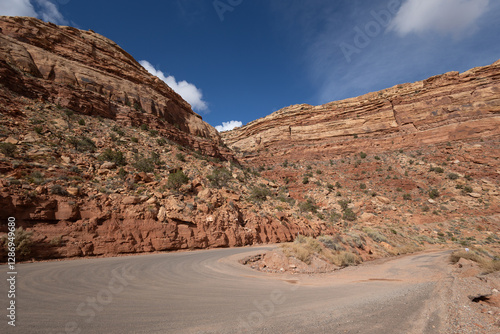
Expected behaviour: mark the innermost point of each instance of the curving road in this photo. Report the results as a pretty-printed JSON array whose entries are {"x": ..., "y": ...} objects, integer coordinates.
[{"x": 209, "y": 292}]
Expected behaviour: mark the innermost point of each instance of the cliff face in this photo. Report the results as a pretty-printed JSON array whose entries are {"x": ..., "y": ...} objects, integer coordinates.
[
  {"x": 90, "y": 74},
  {"x": 449, "y": 107}
]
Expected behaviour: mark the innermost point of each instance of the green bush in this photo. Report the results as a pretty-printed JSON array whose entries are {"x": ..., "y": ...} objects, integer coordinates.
[
  {"x": 181, "y": 157},
  {"x": 453, "y": 176},
  {"x": 433, "y": 193},
  {"x": 176, "y": 180},
  {"x": 117, "y": 129},
  {"x": 259, "y": 194},
  {"x": 144, "y": 127},
  {"x": 8, "y": 149},
  {"x": 344, "y": 204},
  {"x": 113, "y": 156},
  {"x": 143, "y": 164},
  {"x": 81, "y": 121},
  {"x": 436, "y": 170},
  {"x": 362, "y": 186},
  {"x": 22, "y": 242},
  {"x": 407, "y": 197},
  {"x": 349, "y": 215},
  {"x": 82, "y": 144},
  {"x": 36, "y": 177},
  {"x": 134, "y": 139},
  {"x": 308, "y": 206},
  {"x": 467, "y": 190},
  {"x": 305, "y": 180},
  {"x": 219, "y": 177},
  {"x": 57, "y": 189},
  {"x": 362, "y": 155}
]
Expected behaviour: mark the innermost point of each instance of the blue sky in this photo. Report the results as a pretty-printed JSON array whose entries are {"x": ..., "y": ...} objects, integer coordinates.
[{"x": 239, "y": 60}]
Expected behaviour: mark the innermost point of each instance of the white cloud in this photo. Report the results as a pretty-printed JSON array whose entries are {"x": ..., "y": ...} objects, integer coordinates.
[
  {"x": 17, "y": 8},
  {"x": 226, "y": 126},
  {"x": 48, "y": 12},
  {"x": 42, "y": 9},
  {"x": 188, "y": 91},
  {"x": 452, "y": 17}
]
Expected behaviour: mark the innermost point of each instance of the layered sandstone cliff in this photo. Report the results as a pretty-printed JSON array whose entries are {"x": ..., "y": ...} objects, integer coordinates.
[
  {"x": 448, "y": 107},
  {"x": 90, "y": 74}
]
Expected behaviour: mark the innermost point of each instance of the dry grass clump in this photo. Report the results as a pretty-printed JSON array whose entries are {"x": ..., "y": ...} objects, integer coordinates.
[
  {"x": 486, "y": 263},
  {"x": 471, "y": 255},
  {"x": 305, "y": 248}
]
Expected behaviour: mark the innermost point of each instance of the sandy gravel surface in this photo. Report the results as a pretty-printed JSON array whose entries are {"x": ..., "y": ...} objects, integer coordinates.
[{"x": 210, "y": 292}]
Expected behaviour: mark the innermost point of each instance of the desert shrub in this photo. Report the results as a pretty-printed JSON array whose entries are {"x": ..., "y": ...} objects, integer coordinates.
[
  {"x": 181, "y": 157},
  {"x": 299, "y": 251},
  {"x": 122, "y": 173},
  {"x": 338, "y": 185},
  {"x": 305, "y": 180},
  {"x": 433, "y": 193},
  {"x": 143, "y": 164},
  {"x": 330, "y": 243},
  {"x": 117, "y": 129},
  {"x": 144, "y": 127},
  {"x": 81, "y": 121},
  {"x": 153, "y": 133},
  {"x": 36, "y": 177},
  {"x": 82, "y": 144},
  {"x": 362, "y": 155},
  {"x": 349, "y": 215},
  {"x": 308, "y": 206},
  {"x": 22, "y": 242},
  {"x": 344, "y": 259},
  {"x": 219, "y": 177},
  {"x": 467, "y": 190},
  {"x": 38, "y": 129},
  {"x": 113, "y": 156},
  {"x": 377, "y": 157},
  {"x": 134, "y": 139},
  {"x": 176, "y": 180},
  {"x": 161, "y": 141},
  {"x": 303, "y": 248},
  {"x": 56, "y": 241},
  {"x": 436, "y": 170},
  {"x": 407, "y": 197},
  {"x": 452, "y": 176},
  {"x": 57, "y": 189},
  {"x": 259, "y": 194},
  {"x": 8, "y": 149},
  {"x": 362, "y": 186},
  {"x": 375, "y": 235},
  {"x": 470, "y": 255},
  {"x": 344, "y": 204},
  {"x": 355, "y": 241}
]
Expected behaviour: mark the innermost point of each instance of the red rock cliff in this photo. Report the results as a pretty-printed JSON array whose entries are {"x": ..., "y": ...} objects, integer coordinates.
[
  {"x": 90, "y": 74},
  {"x": 448, "y": 107}
]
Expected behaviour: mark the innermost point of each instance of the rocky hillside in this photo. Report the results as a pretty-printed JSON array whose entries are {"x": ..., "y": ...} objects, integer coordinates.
[
  {"x": 445, "y": 108},
  {"x": 89, "y": 74}
]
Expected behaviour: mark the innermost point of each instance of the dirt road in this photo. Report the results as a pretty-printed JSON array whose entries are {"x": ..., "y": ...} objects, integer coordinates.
[{"x": 209, "y": 292}]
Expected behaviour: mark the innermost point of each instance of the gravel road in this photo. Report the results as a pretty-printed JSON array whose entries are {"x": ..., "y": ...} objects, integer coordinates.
[{"x": 210, "y": 292}]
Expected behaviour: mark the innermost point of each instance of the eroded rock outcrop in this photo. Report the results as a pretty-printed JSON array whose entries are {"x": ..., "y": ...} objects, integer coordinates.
[
  {"x": 90, "y": 74},
  {"x": 449, "y": 107}
]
